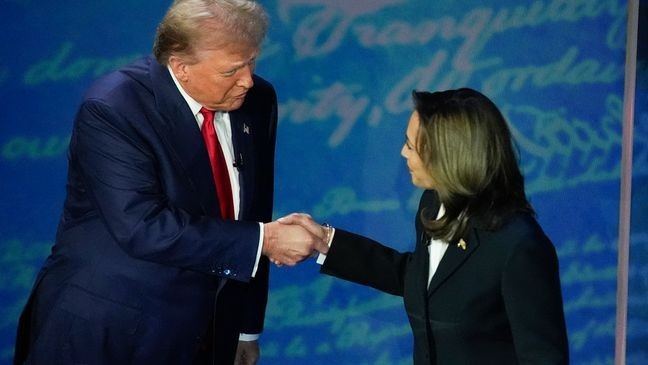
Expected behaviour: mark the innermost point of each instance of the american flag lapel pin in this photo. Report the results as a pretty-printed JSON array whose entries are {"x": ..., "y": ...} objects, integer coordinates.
[
  {"x": 462, "y": 244},
  {"x": 246, "y": 129}
]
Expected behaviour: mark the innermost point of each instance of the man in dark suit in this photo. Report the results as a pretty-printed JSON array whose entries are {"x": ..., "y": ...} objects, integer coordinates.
[{"x": 161, "y": 255}]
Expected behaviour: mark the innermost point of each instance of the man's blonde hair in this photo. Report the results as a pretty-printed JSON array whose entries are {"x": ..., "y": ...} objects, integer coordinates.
[{"x": 192, "y": 25}]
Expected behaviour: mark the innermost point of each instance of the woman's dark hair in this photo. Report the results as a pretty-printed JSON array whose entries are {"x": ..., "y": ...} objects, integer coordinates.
[{"x": 467, "y": 148}]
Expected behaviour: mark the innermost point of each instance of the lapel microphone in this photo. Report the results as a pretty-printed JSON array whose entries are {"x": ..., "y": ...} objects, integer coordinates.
[{"x": 238, "y": 161}]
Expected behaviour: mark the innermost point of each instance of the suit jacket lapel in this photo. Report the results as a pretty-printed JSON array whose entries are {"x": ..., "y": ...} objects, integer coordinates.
[
  {"x": 181, "y": 134},
  {"x": 453, "y": 258},
  {"x": 424, "y": 262},
  {"x": 242, "y": 140}
]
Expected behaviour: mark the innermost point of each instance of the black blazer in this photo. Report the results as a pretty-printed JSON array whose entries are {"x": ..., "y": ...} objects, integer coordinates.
[
  {"x": 141, "y": 251},
  {"x": 498, "y": 301}
]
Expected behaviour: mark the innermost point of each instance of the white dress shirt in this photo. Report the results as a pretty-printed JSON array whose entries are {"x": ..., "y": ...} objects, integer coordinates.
[{"x": 436, "y": 249}]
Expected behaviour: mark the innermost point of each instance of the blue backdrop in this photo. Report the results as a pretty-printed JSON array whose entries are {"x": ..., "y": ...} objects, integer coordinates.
[{"x": 344, "y": 71}]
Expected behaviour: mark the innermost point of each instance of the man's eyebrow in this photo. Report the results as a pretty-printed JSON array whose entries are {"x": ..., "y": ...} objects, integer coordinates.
[{"x": 239, "y": 66}]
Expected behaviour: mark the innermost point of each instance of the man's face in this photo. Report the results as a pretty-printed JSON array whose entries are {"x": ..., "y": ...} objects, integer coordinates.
[{"x": 220, "y": 79}]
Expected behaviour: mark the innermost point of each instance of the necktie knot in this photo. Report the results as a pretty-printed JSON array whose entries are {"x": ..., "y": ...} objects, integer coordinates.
[{"x": 208, "y": 115}]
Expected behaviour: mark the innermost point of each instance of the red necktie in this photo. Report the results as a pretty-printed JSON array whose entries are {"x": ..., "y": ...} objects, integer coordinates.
[{"x": 218, "y": 165}]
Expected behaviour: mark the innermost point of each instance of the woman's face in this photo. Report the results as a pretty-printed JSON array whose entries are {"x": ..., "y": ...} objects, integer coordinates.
[{"x": 420, "y": 175}]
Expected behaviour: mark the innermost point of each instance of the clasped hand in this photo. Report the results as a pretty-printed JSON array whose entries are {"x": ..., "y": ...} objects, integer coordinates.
[{"x": 292, "y": 239}]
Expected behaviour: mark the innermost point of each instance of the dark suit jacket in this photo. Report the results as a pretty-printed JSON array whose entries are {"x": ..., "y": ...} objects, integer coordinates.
[
  {"x": 141, "y": 253},
  {"x": 496, "y": 302}
]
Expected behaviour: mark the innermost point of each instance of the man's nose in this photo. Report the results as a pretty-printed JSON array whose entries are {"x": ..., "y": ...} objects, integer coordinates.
[{"x": 246, "y": 77}]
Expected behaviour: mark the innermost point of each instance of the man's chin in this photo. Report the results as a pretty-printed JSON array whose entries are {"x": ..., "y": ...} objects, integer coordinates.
[{"x": 234, "y": 104}]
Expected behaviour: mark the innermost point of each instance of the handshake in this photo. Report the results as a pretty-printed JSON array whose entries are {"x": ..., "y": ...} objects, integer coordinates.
[{"x": 294, "y": 238}]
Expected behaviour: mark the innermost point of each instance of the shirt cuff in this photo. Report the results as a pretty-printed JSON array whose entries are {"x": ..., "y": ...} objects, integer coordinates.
[
  {"x": 248, "y": 337},
  {"x": 322, "y": 257},
  {"x": 258, "y": 256}
]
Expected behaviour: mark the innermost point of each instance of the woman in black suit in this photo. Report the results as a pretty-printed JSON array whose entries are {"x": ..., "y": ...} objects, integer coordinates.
[{"x": 482, "y": 285}]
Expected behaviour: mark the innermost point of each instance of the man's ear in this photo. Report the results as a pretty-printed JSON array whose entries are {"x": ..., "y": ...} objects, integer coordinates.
[{"x": 179, "y": 68}]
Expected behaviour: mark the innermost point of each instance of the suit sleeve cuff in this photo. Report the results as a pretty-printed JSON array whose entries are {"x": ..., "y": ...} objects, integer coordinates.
[
  {"x": 258, "y": 255},
  {"x": 248, "y": 337},
  {"x": 322, "y": 257}
]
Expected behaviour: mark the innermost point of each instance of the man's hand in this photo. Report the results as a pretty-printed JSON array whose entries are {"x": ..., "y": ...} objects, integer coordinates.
[
  {"x": 307, "y": 222},
  {"x": 247, "y": 353},
  {"x": 289, "y": 244}
]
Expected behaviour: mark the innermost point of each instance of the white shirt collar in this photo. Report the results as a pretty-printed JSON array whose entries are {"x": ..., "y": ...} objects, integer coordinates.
[{"x": 193, "y": 104}]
